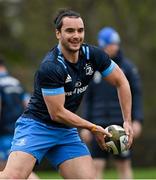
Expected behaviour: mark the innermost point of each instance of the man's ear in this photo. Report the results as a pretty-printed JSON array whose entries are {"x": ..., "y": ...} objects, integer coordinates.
[{"x": 57, "y": 34}]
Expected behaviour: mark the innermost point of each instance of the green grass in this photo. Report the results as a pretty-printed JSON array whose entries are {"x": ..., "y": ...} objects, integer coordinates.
[
  {"x": 139, "y": 173},
  {"x": 49, "y": 175}
]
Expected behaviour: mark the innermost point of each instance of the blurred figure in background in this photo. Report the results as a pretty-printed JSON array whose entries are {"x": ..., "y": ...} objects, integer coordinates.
[
  {"x": 13, "y": 100},
  {"x": 103, "y": 108}
]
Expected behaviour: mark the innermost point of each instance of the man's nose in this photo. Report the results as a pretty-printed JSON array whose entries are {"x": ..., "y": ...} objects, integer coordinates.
[{"x": 76, "y": 34}]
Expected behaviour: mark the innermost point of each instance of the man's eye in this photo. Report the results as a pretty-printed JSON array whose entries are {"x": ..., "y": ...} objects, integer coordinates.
[
  {"x": 70, "y": 30},
  {"x": 81, "y": 30}
]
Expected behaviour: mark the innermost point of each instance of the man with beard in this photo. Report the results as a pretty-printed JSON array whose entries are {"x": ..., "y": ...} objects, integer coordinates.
[{"x": 49, "y": 125}]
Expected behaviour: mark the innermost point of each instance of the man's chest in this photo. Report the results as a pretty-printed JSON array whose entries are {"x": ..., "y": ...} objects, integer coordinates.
[{"x": 78, "y": 78}]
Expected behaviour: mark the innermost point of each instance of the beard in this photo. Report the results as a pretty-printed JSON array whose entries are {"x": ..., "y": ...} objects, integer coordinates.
[{"x": 66, "y": 46}]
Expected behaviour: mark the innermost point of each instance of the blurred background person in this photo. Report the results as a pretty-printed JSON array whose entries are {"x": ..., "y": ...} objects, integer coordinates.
[
  {"x": 103, "y": 107},
  {"x": 13, "y": 100}
]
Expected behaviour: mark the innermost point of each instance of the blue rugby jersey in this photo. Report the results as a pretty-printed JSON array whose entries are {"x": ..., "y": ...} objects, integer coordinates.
[
  {"x": 56, "y": 75},
  {"x": 11, "y": 98}
]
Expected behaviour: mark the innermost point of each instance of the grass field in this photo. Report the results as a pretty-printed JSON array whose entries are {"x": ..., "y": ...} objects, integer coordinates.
[{"x": 144, "y": 173}]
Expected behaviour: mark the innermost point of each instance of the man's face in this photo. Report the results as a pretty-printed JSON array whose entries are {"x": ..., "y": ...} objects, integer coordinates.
[
  {"x": 112, "y": 49},
  {"x": 71, "y": 35}
]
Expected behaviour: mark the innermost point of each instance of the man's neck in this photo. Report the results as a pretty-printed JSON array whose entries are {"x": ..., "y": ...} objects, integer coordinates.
[{"x": 71, "y": 56}]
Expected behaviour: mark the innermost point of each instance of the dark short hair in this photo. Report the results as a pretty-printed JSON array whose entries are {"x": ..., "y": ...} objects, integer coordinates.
[{"x": 64, "y": 13}]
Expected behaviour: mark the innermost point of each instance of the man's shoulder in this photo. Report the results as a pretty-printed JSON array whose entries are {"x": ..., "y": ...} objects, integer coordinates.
[
  {"x": 91, "y": 47},
  {"x": 51, "y": 56},
  {"x": 51, "y": 65},
  {"x": 92, "y": 50},
  {"x": 50, "y": 61}
]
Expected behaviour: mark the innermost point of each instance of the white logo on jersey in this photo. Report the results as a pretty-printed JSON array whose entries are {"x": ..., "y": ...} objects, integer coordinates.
[
  {"x": 21, "y": 142},
  {"x": 78, "y": 84},
  {"x": 77, "y": 91},
  {"x": 89, "y": 69},
  {"x": 69, "y": 79}
]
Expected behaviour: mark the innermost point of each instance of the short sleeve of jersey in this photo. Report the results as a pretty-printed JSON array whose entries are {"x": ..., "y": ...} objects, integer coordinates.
[
  {"x": 51, "y": 78},
  {"x": 102, "y": 61}
]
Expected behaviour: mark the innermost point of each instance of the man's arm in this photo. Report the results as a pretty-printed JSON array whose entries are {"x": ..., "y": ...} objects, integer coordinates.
[
  {"x": 118, "y": 79},
  {"x": 59, "y": 113},
  {"x": 55, "y": 105}
]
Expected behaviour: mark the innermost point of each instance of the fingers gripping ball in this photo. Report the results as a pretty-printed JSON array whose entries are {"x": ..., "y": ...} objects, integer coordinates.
[{"x": 118, "y": 142}]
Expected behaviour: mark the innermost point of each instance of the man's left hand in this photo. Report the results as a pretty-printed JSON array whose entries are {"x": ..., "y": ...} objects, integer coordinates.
[{"x": 129, "y": 132}]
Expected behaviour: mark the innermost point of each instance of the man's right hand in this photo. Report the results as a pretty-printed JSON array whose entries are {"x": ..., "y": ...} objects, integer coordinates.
[{"x": 100, "y": 134}]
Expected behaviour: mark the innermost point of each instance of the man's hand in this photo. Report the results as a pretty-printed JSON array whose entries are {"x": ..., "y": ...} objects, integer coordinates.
[
  {"x": 100, "y": 135},
  {"x": 129, "y": 132}
]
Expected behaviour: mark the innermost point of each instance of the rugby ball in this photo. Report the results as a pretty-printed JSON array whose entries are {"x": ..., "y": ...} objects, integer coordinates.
[{"x": 118, "y": 142}]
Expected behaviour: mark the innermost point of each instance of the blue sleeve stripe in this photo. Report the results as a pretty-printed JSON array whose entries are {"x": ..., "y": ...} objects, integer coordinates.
[
  {"x": 52, "y": 92},
  {"x": 60, "y": 60},
  {"x": 83, "y": 48},
  {"x": 108, "y": 71},
  {"x": 87, "y": 49}
]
